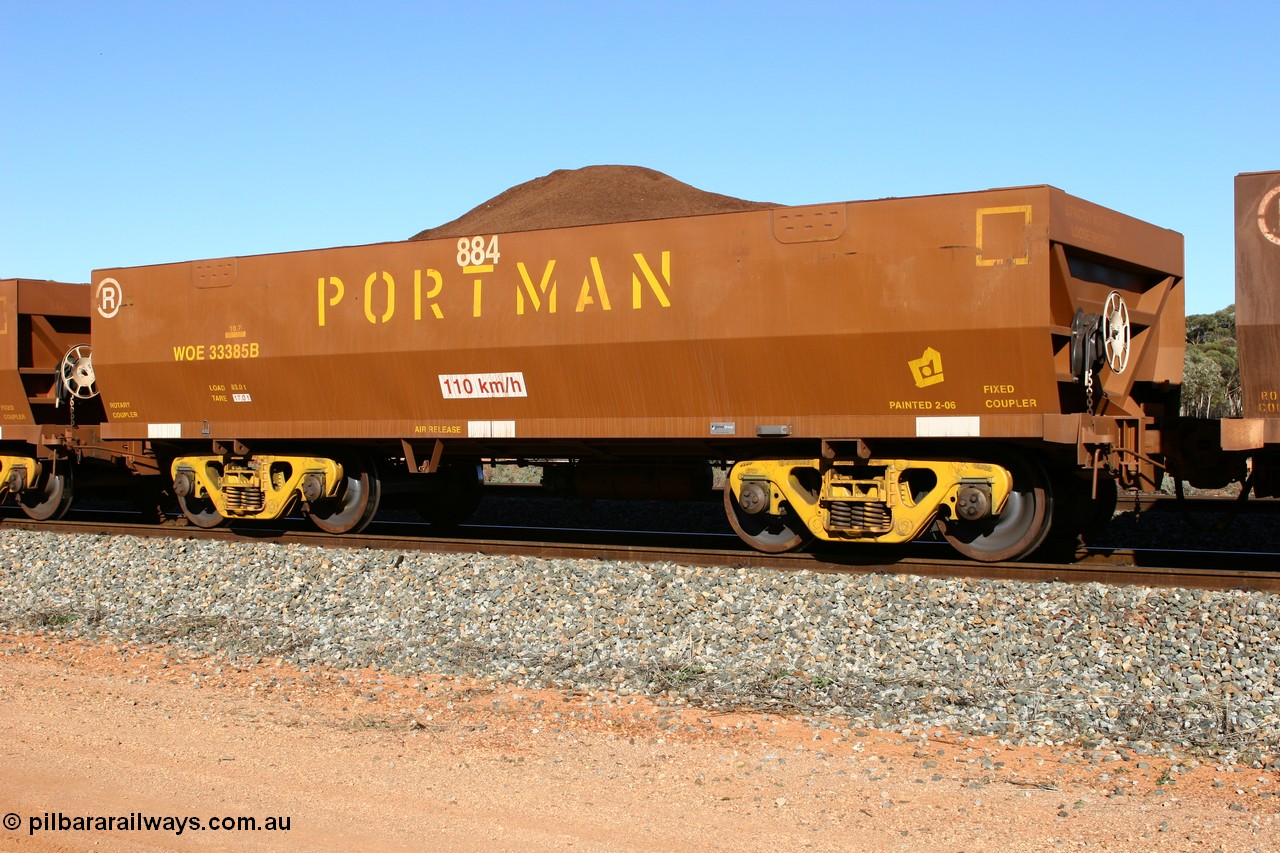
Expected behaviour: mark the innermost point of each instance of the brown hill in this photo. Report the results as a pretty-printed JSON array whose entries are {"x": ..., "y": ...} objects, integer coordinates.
[{"x": 589, "y": 196}]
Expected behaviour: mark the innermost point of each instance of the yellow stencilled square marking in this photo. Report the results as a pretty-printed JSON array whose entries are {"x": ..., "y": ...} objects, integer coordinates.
[
  {"x": 983, "y": 212},
  {"x": 927, "y": 369}
]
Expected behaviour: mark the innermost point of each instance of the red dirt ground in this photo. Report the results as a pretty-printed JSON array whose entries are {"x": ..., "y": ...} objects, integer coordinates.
[{"x": 364, "y": 760}]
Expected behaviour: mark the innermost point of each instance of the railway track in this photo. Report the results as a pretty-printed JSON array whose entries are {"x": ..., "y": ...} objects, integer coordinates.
[{"x": 1193, "y": 569}]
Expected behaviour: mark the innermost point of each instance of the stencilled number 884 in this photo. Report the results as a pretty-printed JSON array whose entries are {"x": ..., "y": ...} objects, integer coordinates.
[{"x": 472, "y": 251}]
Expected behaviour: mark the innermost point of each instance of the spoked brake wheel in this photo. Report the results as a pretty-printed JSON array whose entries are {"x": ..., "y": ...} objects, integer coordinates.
[
  {"x": 77, "y": 374},
  {"x": 1116, "y": 332}
]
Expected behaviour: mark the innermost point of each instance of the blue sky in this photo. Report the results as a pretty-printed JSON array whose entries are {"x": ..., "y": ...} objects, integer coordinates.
[{"x": 146, "y": 132}]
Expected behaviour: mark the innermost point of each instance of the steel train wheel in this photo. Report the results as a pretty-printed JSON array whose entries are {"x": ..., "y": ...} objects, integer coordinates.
[
  {"x": 768, "y": 533},
  {"x": 1078, "y": 517},
  {"x": 52, "y": 496},
  {"x": 200, "y": 512},
  {"x": 1019, "y": 529},
  {"x": 355, "y": 507}
]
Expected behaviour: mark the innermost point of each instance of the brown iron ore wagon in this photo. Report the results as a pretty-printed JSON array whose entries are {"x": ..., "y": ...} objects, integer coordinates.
[{"x": 993, "y": 362}]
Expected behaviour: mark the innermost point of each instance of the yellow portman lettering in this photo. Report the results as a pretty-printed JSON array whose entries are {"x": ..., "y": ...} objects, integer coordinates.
[{"x": 535, "y": 291}]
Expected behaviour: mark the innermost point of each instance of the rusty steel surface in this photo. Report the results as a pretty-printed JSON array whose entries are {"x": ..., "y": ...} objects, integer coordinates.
[
  {"x": 1258, "y": 299},
  {"x": 39, "y": 322},
  {"x": 939, "y": 316}
]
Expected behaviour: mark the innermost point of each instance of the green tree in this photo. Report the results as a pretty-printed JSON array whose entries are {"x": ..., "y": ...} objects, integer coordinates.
[
  {"x": 1211, "y": 371},
  {"x": 1208, "y": 328}
]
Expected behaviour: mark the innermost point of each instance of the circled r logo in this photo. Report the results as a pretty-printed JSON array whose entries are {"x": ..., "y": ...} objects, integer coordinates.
[
  {"x": 1269, "y": 221},
  {"x": 109, "y": 296}
]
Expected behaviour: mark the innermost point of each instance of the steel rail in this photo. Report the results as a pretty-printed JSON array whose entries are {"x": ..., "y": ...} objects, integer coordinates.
[
  {"x": 1126, "y": 502},
  {"x": 1115, "y": 567}
]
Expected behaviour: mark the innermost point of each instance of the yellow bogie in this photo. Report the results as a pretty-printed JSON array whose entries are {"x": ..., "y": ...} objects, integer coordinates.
[
  {"x": 20, "y": 471},
  {"x": 255, "y": 487},
  {"x": 41, "y": 488},
  {"x": 876, "y": 500}
]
